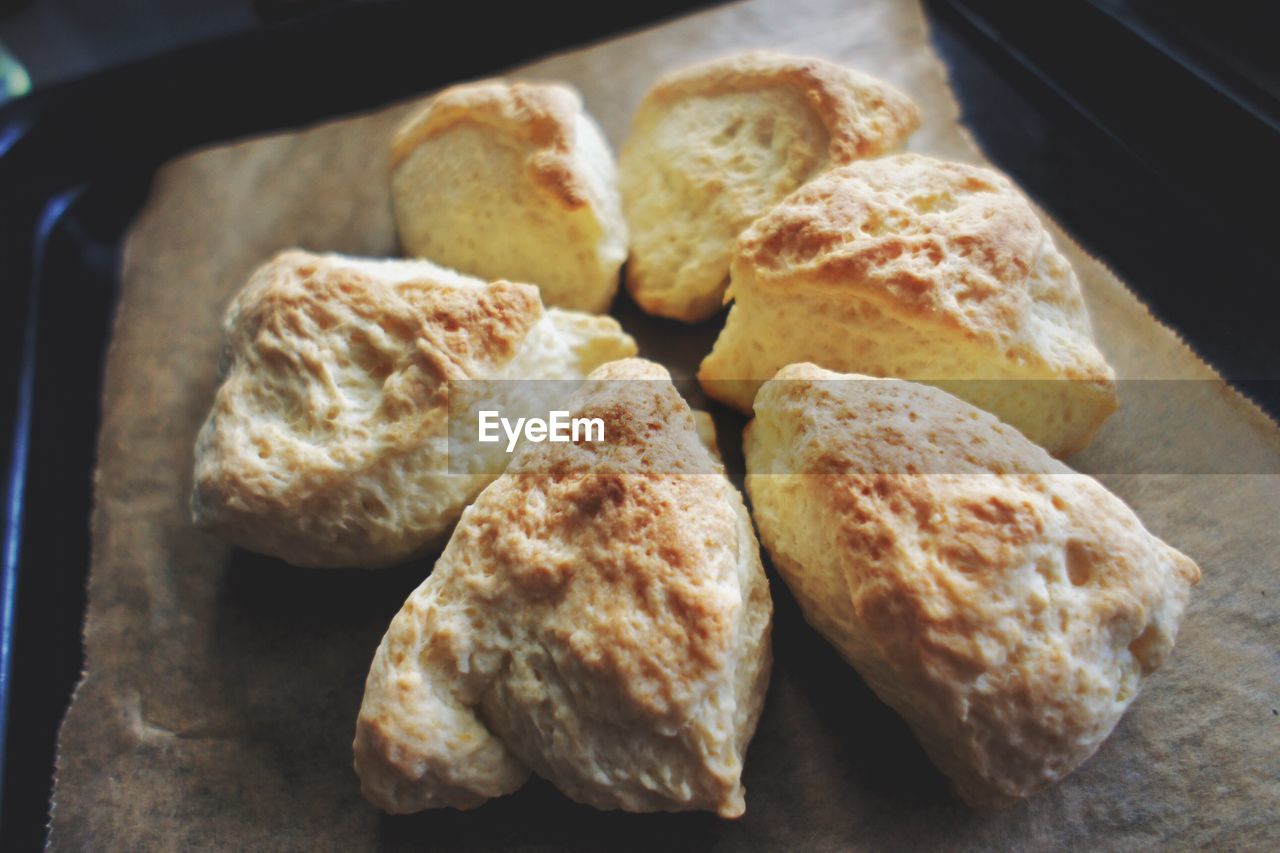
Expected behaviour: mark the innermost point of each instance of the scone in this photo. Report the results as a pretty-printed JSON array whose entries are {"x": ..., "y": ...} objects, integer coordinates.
[
  {"x": 515, "y": 181},
  {"x": 600, "y": 617},
  {"x": 328, "y": 441},
  {"x": 715, "y": 146},
  {"x": 913, "y": 268},
  {"x": 1009, "y": 608}
]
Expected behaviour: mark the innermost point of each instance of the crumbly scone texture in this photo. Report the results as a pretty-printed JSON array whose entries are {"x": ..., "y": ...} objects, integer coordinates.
[
  {"x": 1009, "y": 608},
  {"x": 512, "y": 180},
  {"x": 327, "y": 444},
  {"x": 920, "y": 269},
  {"x": 713, "y": 147},
  {"x": 600, "y": 617}
]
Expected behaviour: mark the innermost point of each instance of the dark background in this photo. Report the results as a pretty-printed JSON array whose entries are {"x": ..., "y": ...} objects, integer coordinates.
[{"x": 1150, "y": 130}]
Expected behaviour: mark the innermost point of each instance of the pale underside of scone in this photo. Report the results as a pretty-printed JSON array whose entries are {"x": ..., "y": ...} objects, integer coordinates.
[
  {"x": 512, "y": 180},
  {"x": 1009, "y": 608},
  {"x": 915, "y": 268},
  {"x": 715, "y": 146},
  {"x": 327, "y": 444},
  {"x": 600, "y": 617}
]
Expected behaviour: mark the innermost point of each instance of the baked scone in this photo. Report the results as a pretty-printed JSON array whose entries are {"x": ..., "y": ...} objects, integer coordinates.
[
  {"x": 600, "y": 617},
  {"x": 715, "y": 146},
  {"x": 914, "y": 268},
  {"x": 1009, "y": 608},
  {"x": 328, "y": 441},
  {"x": 514, "y": 181}
]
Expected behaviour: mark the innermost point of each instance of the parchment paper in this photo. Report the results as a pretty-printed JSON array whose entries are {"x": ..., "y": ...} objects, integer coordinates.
[{"x": 222, "y": 687}]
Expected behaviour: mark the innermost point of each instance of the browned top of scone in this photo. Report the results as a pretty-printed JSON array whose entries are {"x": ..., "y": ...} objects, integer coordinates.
[
  {"x": 631, "y": 527},
  {"x": 864, "y": 116},
  {"x": 629, "y": 542},
  {"x": 538, "y": 116},
  {"x": 589, "y": 603},
  {"x": 1006, "y": 604},
  {"x": 304, "y": 321},
  {"x": 936, "y": 243},
  {"x": 852, "y": 424}
]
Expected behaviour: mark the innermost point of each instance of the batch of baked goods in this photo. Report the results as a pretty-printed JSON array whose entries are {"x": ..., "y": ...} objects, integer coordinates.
[{"x": 914, "y": 351}]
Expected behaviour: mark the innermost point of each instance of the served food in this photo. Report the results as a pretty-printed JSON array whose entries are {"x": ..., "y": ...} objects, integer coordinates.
[
  {"x": 600, "y": 617},
  {"x": 915, "y": 268},
  {"x": 1009, "y": 608},
  {"x": 715, "y": 146},
  {"x": 328, "y": 441},
  {"x": 512, "y": 180}
]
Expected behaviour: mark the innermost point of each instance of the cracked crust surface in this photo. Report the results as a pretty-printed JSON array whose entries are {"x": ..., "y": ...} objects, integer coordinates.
[
  {"x": 917, "y": 268},
  {"x": 1009, "y": 608},
  {"x": 600, "y": 617},
  {"x": 327, "y": 442}
]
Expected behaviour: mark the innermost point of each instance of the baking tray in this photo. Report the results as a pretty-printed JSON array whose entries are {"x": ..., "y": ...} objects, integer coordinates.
[{"x": 80, "y": 160}]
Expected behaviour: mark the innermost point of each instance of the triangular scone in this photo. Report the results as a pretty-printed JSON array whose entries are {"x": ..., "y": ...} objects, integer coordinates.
[
  {"x": 599, "y": 617},
  {"x": 715, "y": 146},
  {"x": 1009, "y": 608},
  {"x": 515, "y": 181},
  {"x": 328, "y": 441},
  {"x": 914, "y": 268}
]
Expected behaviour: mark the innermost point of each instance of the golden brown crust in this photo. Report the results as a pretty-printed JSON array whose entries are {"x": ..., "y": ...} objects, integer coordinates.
[
  {"x": 600, "y": 616},
  {"x": 863, "y": 116},
  {"x": 283, "y": 330},
  {"x": 540, "y": 116},
  {"x": 324, "y": 443},
  {"x": 1008, "y": 607},
  {"x": 944, "y": 244},
  {"x": 911, "y": 267}
]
